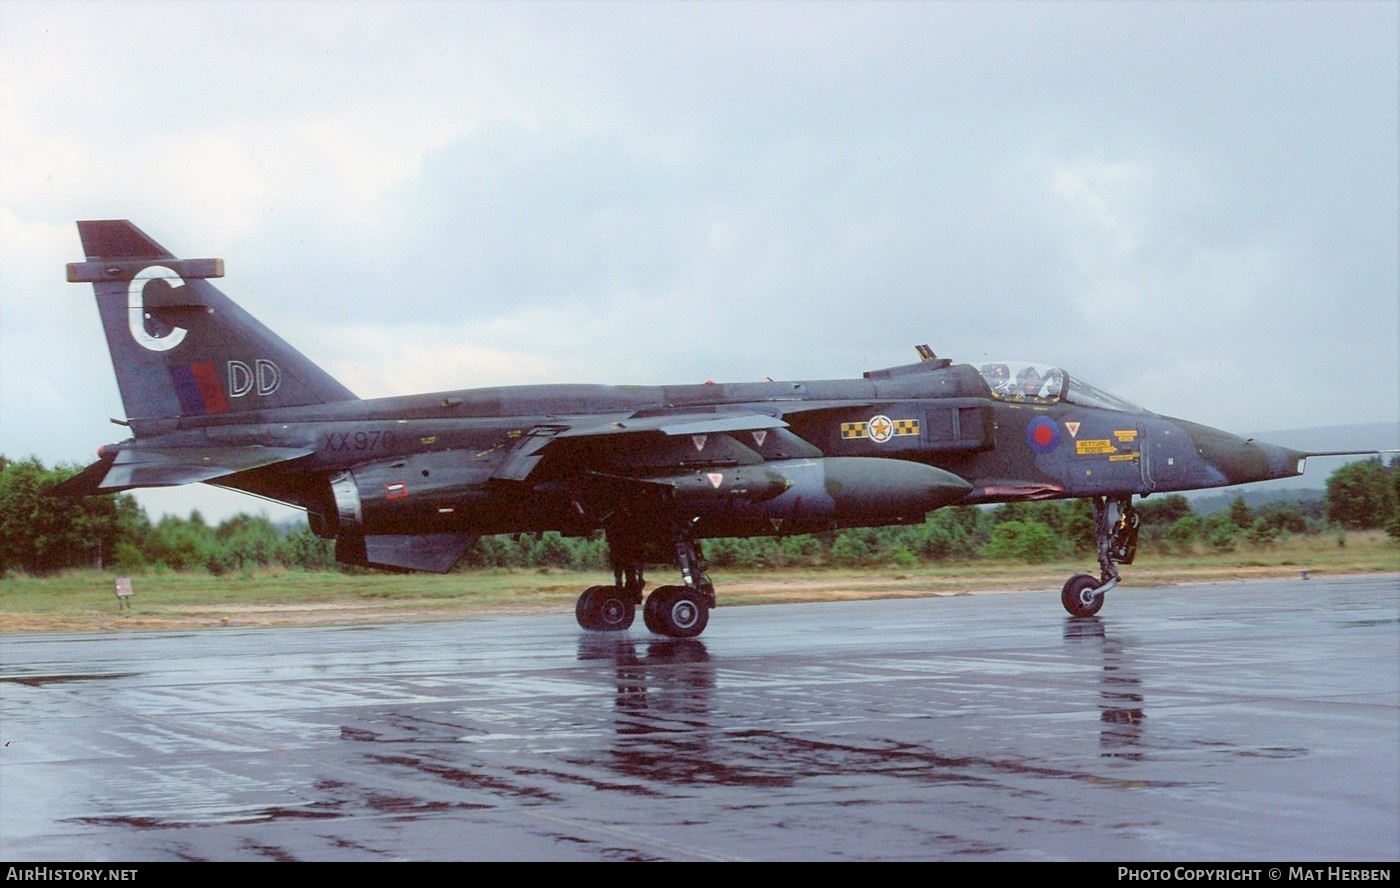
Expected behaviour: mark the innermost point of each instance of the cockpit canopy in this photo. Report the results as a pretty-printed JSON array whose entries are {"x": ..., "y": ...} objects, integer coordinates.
[{"x": 1041, "y": 383}]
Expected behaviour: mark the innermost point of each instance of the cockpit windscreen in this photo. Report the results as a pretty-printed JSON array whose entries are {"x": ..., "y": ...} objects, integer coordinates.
[{"x": 1040, "y": 383}]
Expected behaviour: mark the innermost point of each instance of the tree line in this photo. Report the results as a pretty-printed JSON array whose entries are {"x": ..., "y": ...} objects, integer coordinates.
[{"x": 40, "y": 534}]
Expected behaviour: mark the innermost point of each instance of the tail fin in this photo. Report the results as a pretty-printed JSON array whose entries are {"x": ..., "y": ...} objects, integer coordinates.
[{"x": 179, "y": 346}]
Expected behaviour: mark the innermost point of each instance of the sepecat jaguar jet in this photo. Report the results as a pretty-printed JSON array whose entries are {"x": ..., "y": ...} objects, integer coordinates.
[{"x": 409, "y": 483}]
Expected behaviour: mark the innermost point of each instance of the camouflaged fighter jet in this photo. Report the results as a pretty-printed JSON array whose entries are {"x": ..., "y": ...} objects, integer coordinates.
[{"x": 410, "y": 483}]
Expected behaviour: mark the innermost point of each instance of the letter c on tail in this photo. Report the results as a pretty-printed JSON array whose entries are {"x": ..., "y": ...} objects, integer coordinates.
[{"x": 136, "y": 309}]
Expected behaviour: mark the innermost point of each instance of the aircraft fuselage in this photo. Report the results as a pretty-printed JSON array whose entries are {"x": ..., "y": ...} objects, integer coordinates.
[{"x": 214, "y": 396}]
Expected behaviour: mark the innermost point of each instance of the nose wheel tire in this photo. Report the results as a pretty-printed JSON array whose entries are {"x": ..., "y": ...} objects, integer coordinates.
[{"x": 1077, "y": 596}]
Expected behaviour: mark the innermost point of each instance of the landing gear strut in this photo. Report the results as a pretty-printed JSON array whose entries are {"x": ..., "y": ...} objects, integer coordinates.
[
  {"x": 1116, "y": 530},
  {"x": 677, "y": 611}
]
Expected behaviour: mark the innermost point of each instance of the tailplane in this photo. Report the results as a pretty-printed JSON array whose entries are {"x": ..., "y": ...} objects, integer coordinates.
[{"x": 179, "y": 346}]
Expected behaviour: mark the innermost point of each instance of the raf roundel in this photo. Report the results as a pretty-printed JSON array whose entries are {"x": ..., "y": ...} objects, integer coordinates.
[{"x": 1042, "y": 434}]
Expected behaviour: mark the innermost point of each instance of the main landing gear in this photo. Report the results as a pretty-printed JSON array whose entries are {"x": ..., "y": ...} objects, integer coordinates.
[
  {"x": 1116, "y": 529},
  {"x": 676, "y": 611}
]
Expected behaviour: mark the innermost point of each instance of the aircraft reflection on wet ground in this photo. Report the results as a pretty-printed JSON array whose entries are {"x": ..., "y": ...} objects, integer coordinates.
[
  {"x": 1121, "y": 692},
  {"x": 652, "y": 694},
  {"x": 1198, "y": 723}
]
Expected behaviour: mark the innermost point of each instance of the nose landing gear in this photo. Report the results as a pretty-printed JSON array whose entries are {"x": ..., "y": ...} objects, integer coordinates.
[{"x": 1116, "y": 530}]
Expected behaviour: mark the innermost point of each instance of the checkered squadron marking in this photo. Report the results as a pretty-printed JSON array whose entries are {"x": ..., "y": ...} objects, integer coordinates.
[{"x": 879, "y": 429}]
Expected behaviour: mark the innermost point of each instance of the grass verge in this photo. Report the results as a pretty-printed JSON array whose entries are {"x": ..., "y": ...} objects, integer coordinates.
[{"x": 85, "y": 601}]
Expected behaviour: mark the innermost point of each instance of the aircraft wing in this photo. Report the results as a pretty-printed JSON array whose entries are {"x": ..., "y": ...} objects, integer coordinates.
[
  {"x": 171, "y": 466},
  {"x": 528, "y": 453},
  {"x": 679, "y": 424}
]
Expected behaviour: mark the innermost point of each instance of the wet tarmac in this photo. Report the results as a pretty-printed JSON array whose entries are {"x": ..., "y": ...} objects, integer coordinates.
[{"x": 1241, "y": 722}]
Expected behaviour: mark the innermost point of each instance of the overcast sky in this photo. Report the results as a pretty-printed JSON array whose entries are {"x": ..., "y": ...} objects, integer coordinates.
[{"x": 1194, "y": 205}]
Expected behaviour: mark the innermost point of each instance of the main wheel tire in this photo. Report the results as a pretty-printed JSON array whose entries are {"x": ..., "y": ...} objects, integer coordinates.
[
  {"x": 683, "y": 613},
  {"x": 1075, "y": 600},
  {"x": 604, "y": 609},
  {"x": 586, "y": 609},
  {"x": 614, "y": 611},
  {"x": 659, "y": 597}
]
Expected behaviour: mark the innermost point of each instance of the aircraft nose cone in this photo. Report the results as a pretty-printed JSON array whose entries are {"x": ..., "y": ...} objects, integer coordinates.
[
  {"x": 1242, "y": 461},
  {"x": 1283, "y": 462}
]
